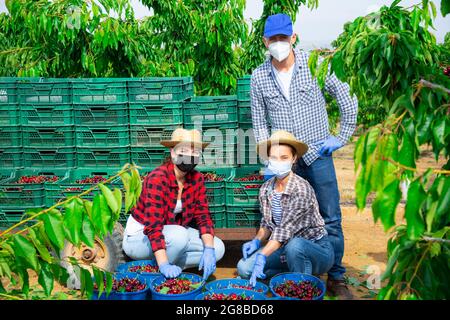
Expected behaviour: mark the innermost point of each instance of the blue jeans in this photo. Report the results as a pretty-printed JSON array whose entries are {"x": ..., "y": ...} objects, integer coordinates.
[
  {"x": 322, "y": 177},
  {"x": 298, "y": 255},
  {"x": 184, "y": 247}
]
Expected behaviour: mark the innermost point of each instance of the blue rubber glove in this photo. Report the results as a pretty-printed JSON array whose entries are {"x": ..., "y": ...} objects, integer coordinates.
[
  {"x": 208, "y": 261},
  {"x": 170, "y": 270},
  {"x": 258, "y": 269},
  {"x": 250, "y": 247},
  {"x": 328, "y": 146}
]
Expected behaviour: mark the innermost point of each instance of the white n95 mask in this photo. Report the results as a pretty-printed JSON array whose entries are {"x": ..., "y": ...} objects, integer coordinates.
[{"x": 280, "y": 50}]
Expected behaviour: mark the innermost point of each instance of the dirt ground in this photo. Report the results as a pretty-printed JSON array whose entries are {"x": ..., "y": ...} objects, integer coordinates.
[{"x": 365, "y": 241}]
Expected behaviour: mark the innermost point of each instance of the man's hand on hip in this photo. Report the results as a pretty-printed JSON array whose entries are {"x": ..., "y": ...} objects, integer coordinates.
[{"x": 328, "y": 146}]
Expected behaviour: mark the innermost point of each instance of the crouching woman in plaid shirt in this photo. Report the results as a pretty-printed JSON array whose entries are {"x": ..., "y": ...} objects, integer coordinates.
[
  {"x": 173, "y": 197},
  {"x": 297, "y": 238}
]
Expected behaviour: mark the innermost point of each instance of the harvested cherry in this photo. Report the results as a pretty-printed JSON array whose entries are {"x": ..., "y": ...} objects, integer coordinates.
[
  {"x": 237, "y": 286},
  {"x": 304, "y": 290},
  {"x": 36, "y": 179},
  {"x": 252, "y": 177},
  {"x": 125, "y": 285},
  {"x": 144, "y": 268},
  {"x": 175, "y": 286},
  {"x": 91, "y": 180},
  {"x": 210, "y": 176},
  {"x": 73, "y": 189},
  {"x": 223, "y": 296}
]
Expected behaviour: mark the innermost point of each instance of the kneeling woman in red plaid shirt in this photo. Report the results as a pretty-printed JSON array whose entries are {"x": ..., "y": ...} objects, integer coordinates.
[{"x": 174, "y": 196}]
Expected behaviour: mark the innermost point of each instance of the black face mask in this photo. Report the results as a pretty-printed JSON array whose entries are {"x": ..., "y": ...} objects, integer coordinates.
[{"x": 186, "y": 163}]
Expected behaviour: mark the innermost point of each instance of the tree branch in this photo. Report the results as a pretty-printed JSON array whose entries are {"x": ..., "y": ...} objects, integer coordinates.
[{"x": 432, "y": 85}]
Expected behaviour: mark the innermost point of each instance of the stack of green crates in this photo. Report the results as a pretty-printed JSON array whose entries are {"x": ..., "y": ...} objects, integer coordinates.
[
  {"x": 11, "y": 155},
  {"x": 155, "y": 108},
  {"x": 242, "y": 202},
  {"x": 216, "y": 118},
  {"x": 246, "y": 147}
]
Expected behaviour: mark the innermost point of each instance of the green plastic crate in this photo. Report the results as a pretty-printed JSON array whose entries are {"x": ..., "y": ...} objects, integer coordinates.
[
  {"x": 106, "y": 91},
  {"x": 69, "y": 186},
  {"x": 221, "y": 152},
  {"x": 13, "y": 194},
  {"x": 167, "y": 113},
  {"x": 240, "y": 216},
  {"x": 102, "y": 157},
  {"x": 155, "y": 90},
  {"x": 10, "y": 136},
  {"x": 42, "y": 157},
  {"x": 46, "y": 92},
  {"x": 244, "y": 114},
  {"x": 9, "y": 115},
  {"x": 243, "y": 88},
  {"x": 12, "y": 216},
  {"x": 149, "y": 136},
  {"x": 118, "y": 136},
  {"x": 48, "y": 136},
  {"x": 38, "y": 115},
  {"x": 218, "y": 215},
  {"x": 101, "y": 115},
  {"x": 243, "y": 192},
  {"x": 246, "y": 148},
  {"x": 11, "y": 157},
  {"x": 215, "y": 111},
  {"x": 215, "y": 190},
  {"x": 149, "y": 158},
  {"x": 8, "y": 91}
]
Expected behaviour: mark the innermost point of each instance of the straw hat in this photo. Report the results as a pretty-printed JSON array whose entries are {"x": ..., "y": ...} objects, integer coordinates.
[
  {"x": 281, "y": 137},
  {"x": 181, "y": 135}
]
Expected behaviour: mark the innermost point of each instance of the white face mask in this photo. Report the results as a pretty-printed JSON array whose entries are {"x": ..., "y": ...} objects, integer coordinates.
[
  {"x": 280, "y": 168},
  {"x": 280, "y": 50}
]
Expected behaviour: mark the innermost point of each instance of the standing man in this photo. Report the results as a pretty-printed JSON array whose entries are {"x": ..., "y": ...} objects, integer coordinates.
[{"x": 285, "y": 95}]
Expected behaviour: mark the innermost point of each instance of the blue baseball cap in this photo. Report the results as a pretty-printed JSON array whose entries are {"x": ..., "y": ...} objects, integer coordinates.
[{"x": 278, "y": 24}]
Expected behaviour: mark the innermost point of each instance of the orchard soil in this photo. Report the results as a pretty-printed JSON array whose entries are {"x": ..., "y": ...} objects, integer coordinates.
[{"x": 365, "y": 241}]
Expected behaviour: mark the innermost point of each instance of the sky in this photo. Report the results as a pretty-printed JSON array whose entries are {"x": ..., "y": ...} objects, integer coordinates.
[{"x": 319, "y": 27}]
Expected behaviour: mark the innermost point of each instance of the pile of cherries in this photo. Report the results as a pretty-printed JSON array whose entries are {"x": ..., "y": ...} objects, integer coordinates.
[
  {"x": 144, "y": 268},
  {"x": 222, "y": 296},
  {"x": 36, "y": 179},
  {"x": 176, "y": 286},
  {"x": 210, "y": 176},
  {"x": 250, "y": 178},
  {"x": 304, "y": 290},
  {"x": 125, "y": 285},
  {"x": 73, "y": 189},
  {"x": 91, "y": 180}
]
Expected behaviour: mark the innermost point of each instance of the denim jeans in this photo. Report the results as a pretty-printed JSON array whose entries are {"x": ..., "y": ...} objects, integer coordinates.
[
  {"x": 298, "y": 255},
  {"x": 184, "y": 247},
  {"x": 322, "y": 177}
]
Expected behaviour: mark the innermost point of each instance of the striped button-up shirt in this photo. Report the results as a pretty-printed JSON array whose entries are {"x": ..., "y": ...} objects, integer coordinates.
[
  {"x": 300, "y": 211},
  {"x": 304, "y": 113}
]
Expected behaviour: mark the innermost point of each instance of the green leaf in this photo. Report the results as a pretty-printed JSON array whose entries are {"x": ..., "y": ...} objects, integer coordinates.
[
  {"x": 101, "y": 214},
  {"x": 87, "y": 285},
  {"x": 110, "y": 198},
  {"x": 24, "y": 279},
  {"x": 415, "y": 199},
  {"x": 73, "y": 220},
  {"x": 435, "y": 249},
  {"x": 445, "y": 7},
  {"x": 53, "y": 223},
  {"x": 99, "y": 280},
  {"x": 87, "y": 232},
  {"x": 312, "y": 62},
  {"x": 129, "y": 201},
  {"x": 118, "y": 196},
  {"x": 46, "y": 279},
  {"x": 323, "y": 72},
  {"x": 25, "y": 249},
  {"x": 337, "y": 65},
  {"x": 42, "y": 249},
  {"x": 359, "y": 150},
  {"x": 109, "y": 283},
  {"x": 385, "y": 204},
  {"x": 88, "y": 207},
  {"x": 443, "y": 207},
  {"x": 439, "y": 131},
  {"x": 164, "y": 290},
  {"x": 126, "y": 180}
]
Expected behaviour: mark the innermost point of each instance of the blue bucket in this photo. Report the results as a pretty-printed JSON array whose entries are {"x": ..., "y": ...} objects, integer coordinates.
[
  {"x": 295, "y": 276},
  {"x": 184, "y": 296},
  {"x": 149, "y": 276},
  {"x": 228, "y": 284},
  {"x": 115, "y": 295},
  {"x": 248, "y": 293}
]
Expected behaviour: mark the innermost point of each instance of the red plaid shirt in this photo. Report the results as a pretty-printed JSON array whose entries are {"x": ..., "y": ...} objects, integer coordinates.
[{"x": 158, "y": 199}]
